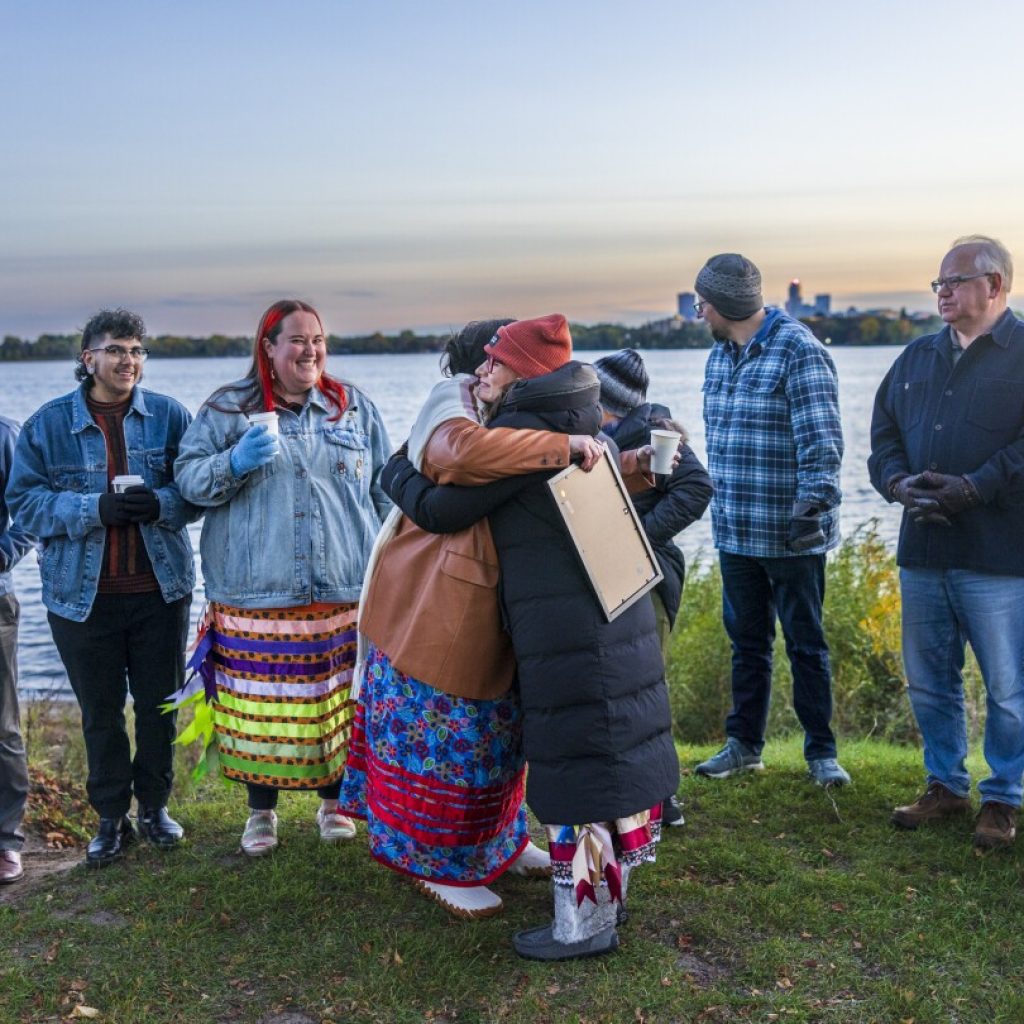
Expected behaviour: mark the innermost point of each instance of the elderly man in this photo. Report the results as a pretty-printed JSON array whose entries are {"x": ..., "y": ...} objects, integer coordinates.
[
  {"x": 116, "y": 568},
  {"x": 774, "y": 443},
  {"x": 14, "y": 543},
  {"x": 947, "y": 443}
]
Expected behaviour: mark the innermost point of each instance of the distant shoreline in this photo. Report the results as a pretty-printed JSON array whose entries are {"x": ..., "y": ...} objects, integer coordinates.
[{"x": 674, "y": 333}]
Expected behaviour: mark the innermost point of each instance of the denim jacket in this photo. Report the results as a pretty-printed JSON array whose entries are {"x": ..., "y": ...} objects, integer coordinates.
[
  {"x": 14, "y": 542},
  {"x": 301, "y": 528},
  {"x": 59, "y": 473}
]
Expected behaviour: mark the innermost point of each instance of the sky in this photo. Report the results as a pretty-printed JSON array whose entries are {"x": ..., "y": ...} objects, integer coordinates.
[{"x": 417, "y": 165}]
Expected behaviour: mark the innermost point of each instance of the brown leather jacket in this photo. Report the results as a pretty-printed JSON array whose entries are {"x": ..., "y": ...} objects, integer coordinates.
[{"x": 432, "y": 604}]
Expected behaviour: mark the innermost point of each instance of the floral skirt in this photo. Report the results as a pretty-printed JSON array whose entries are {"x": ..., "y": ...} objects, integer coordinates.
[
  {"x": 282, "y": 711},
  {"x": 439, "y": 779}
]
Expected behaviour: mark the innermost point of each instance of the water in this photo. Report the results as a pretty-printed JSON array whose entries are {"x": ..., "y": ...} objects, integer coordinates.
[{"x": 398, "y": 385}]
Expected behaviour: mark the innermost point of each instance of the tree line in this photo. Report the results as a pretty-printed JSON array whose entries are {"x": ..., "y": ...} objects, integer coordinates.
[{"x": 848, "y": 330}]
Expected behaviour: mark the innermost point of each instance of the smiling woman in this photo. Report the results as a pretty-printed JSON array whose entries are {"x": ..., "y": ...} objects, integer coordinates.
[{"x": 285, "y": 462}]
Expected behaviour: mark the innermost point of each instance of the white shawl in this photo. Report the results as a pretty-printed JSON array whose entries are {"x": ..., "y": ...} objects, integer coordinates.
[{"x": 450, "y": 399}]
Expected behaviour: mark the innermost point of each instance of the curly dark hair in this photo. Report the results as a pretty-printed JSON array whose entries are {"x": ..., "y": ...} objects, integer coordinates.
[
  {"x": 118, "y": 323},
  {"x": 465, "y": 350}
]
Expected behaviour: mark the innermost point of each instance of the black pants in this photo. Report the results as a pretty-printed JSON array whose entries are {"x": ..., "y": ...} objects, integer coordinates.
[
  {"x": 754, "y": 591},
  {"x": 264, "y": 798},
  {"x": 136, "y": 643}
]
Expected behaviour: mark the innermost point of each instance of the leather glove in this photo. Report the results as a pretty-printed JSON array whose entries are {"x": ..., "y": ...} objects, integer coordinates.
[
  {"x": 900, "y": 488},
  {"x": 805, "y": 530},
  {"x": 953, "y": 494},
  {"x": 141, "y": 505},
  {"x": 113, "y": 511},
  {"x": 255, "y": 448},
  {"x": 925, "y": 512}
]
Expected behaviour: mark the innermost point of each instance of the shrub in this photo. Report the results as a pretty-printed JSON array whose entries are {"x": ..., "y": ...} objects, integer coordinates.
[{"x": 862, "y": 625}]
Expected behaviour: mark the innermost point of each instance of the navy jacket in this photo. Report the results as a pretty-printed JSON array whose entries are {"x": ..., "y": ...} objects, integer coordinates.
[
  {"x": 966, "y": 420},
  {"x": 675, "y": 501},
  {"x": 596, "y": 718}
]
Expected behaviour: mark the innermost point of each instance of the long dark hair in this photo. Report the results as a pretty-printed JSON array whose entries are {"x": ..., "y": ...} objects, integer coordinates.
[
  {"x": 465, "y": 350},
  {"x": 258, "y": 395}
]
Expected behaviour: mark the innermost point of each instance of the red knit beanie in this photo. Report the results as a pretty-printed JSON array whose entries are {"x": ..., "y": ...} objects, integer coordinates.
[{"x": 532, "y": 347}]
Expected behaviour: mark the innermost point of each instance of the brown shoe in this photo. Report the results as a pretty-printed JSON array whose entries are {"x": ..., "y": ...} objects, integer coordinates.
[
  {"x": 996, "y": 825},
  {"x": 937, "y": 803},
  {"x": 10, "y": 866}
]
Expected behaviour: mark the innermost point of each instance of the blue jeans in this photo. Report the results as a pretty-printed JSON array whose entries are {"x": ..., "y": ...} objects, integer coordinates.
[
  {"x": 942, "y": 610},
  {"x": 754, "y": 590}
]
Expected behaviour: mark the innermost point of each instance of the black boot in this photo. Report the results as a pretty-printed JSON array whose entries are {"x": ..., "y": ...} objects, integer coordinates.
[
  {"x": 158, "y": 827},
  {"x": 114, "y": 836}
]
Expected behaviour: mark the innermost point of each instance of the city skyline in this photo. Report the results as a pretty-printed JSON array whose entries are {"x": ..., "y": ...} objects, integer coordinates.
[{"x": 406, "y": 167}]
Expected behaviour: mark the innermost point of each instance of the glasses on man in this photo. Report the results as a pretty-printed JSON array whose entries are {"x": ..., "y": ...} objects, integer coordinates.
[
  {"x": 698, "y": 307},
  {"x": 954, "y": 281},
  {"x": 119, "y": 352}
]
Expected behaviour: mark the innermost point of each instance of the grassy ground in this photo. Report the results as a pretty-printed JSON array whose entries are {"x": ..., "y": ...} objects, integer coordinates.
[{"x": 776, "y": 901}]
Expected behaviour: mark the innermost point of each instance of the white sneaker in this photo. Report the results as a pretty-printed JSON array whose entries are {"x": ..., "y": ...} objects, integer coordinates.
[
  {"x": 333, "y": 825},
  {"x": 533, "y": 862},
  {"x": 260, "y": 835},
  {"x": 469, "y": 902}
]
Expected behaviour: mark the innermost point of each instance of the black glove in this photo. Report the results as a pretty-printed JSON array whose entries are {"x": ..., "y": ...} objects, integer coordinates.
[
  {"x": 953, "y": 494},
  {"x": 141, "y": 505},
  {"x": 926, "y": 512},
  {"x": 805, "y": 530},
  {"x": 113, "y": 511},
  {"x": 900, "y": 488}
]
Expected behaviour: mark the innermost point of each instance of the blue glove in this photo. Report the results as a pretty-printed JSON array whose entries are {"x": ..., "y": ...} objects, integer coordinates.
[{"x": 255, "y": 448}]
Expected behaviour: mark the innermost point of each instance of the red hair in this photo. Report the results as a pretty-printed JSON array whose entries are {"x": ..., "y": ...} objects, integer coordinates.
[{"x": 268, "y": 330}]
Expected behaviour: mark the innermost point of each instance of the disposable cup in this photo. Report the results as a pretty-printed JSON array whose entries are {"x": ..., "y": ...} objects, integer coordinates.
[
  {"x": 269, "y": 419},
  {"x": 665, "y": 443},
  {"x": 122, "y": 483}
]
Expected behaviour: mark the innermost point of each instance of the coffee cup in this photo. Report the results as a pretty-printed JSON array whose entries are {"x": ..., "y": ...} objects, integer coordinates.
[
  {"x": 665, "y": 443},
  {"x": 268, "y": 419},
  {"x": 122, "y": 483}
]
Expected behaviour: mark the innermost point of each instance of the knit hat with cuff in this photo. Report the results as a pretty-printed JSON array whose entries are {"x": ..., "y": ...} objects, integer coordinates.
[{"x": 532, "y": 347}]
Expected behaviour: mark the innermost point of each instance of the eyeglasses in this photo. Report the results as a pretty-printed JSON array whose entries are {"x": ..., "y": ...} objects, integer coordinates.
[
  {"x": 119, "y": 352},
  {"x": 698, "y": 307},
  {"x": 954, "y": 282}
]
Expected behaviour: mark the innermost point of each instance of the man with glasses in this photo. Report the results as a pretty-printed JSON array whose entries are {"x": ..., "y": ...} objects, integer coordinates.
[
  {"x": 775, "y": 444},
  {"x": 947, "y": 443},
  {"x": 116, "y": 568}
]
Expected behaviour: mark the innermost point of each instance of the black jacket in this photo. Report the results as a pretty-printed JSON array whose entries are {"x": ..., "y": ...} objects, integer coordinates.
[
  {"x": 672, "y": 504},
  {"x": 968, "y": 420},
  {"x": 596, "y": 719}
]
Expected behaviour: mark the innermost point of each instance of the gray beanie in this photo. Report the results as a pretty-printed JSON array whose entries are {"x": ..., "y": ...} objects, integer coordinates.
[
  {"x": 623, "y": 381},
  {"x": 732, "y": 284}
]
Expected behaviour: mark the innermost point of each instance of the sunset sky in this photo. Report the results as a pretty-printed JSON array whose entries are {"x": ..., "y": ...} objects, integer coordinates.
[{"x": 411, "y": 164}]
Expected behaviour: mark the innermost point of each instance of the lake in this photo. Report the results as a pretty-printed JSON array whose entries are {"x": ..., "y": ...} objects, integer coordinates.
[{"x": 398, "y": 385}]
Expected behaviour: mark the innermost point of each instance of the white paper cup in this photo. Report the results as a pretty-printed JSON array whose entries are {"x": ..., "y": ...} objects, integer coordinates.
[
  {"x": 269, "y": 419},
  {"x": 665, "y": 443},
  {"x": 122, "y": 483}
]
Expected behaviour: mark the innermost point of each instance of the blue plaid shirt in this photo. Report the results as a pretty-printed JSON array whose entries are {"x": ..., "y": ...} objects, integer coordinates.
[{"x": 771, "y": 416}]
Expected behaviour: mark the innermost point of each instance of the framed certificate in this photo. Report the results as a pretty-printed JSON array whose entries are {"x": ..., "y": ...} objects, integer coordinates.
[{"x": 610, "y": 540}]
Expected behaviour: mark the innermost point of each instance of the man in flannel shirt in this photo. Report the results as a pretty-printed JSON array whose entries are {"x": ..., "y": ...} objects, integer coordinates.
[{"x": 774, "y": 443}]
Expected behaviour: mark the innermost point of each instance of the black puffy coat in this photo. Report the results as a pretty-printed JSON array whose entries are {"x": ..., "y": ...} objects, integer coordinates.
[
  {"x": 676, "y": 500},
  {"x": 596, "y": 719}
]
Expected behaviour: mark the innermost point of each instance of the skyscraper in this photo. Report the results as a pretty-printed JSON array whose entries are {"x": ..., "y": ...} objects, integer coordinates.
[
  {"x": 795, "y": 301},
  {"x": 686, "y": 302}
]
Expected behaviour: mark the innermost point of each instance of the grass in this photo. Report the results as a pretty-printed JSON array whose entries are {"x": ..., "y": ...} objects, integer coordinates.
[{"x": 776, "y": 901}]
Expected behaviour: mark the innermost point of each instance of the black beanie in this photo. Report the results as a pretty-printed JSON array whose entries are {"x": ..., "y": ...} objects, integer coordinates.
[
  {"x": 732, "y": 284},
  {"x": 623, "y": 381}
]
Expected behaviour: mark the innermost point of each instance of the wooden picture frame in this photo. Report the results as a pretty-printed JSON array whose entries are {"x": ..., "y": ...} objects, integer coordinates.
[{"x": 607, "y": 533}]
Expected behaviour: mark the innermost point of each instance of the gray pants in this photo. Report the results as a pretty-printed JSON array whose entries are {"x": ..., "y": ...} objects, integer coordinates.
[{"x": 13, "y": 767}]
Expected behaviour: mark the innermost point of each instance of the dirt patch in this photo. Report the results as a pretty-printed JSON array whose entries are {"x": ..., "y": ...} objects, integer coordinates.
[{"x": 43, "y": 869}]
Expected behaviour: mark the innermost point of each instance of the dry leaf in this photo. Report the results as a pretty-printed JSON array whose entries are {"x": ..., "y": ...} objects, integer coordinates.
[{"x": 85, "y": 1011}]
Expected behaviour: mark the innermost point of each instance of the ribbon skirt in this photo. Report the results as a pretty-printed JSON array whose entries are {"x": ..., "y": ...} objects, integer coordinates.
[{"x": 439, "y": 779}]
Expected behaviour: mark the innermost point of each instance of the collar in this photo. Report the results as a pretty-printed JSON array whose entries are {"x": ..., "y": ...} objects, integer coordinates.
[
  {"x": 82, "y": 418},
  {"x": 1001, "y": 333}
]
